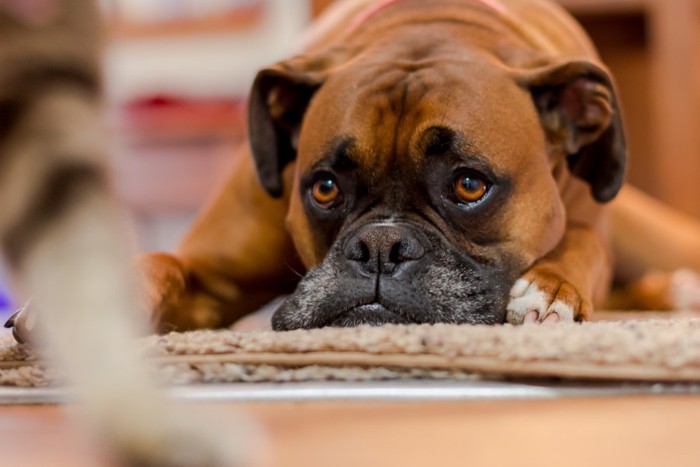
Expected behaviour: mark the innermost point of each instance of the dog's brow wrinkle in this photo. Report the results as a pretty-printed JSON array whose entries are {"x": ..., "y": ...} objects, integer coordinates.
[
  {"x": 341, "y": 153},
  {"x": 437, "y": 140}
]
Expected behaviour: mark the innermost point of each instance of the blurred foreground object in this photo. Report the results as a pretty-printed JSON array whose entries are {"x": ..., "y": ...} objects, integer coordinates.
[{"x": 64, "y": 240}]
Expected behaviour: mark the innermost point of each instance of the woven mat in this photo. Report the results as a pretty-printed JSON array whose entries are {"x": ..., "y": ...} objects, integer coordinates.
[{"x": 633, "y": 350}]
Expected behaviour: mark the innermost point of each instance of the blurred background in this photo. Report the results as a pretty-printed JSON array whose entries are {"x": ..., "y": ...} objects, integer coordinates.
[{"x": 178, "y": 72}]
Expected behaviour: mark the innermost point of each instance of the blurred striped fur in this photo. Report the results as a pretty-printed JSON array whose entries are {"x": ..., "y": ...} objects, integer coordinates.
[{"x": 62, "y": 237}]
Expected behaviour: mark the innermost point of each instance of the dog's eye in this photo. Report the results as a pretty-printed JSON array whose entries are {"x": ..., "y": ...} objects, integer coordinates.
[
  {"x": 325, "y": 191},
  {"x": 470, "y": 187}
]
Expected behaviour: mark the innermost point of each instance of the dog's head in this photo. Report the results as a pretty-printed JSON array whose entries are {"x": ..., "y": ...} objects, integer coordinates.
[{"x": 424, "y": 178}]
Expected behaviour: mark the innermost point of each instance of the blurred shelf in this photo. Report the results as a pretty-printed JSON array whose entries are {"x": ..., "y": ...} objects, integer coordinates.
[
  {"x": 206, "y": 56},
  {"x": 240, "y": 19},
  {"x": 176, "y": 118}
]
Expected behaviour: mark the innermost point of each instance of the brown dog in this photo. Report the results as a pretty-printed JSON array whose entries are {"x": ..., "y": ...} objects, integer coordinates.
[{"x": 424, "y": 162}]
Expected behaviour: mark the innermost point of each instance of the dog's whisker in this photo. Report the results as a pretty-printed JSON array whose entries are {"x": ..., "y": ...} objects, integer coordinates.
[{"x": 294, "y": 271}]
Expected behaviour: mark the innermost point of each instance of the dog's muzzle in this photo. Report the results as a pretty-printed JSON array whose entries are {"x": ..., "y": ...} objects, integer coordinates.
[{"x": 393, "y": 272}]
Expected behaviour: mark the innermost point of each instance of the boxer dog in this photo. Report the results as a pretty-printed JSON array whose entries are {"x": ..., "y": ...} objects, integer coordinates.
[{"x": 419, "y": 162}]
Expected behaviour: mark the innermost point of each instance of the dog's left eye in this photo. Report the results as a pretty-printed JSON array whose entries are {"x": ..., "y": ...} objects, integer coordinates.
[
  {"x": 325, "y": 191},
  {"x": 470, "y": 187}
]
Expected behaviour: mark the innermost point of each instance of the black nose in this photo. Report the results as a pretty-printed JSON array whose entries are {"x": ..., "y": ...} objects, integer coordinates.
[{"x": 383, "y": 247}]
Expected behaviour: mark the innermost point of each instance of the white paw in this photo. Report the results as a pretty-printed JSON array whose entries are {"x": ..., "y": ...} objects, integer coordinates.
[
  {"x": 685, "y": 290},
  {"x": 531, "y": 304}
]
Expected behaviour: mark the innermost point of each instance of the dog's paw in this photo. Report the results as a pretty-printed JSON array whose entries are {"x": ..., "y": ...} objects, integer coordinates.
[
  {"x": 684, "y": 290},
  {"x": 23, "y": 324},
  {"x": 543, "y": 297},
  {"x": 661, "y": 290}
]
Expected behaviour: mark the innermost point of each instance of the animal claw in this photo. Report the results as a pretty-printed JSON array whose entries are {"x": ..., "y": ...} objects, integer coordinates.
[{"x": 11, "y": 321}]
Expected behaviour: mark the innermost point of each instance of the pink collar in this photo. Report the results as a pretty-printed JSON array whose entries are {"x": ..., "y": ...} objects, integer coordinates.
[{"x": 368, "y": 13}]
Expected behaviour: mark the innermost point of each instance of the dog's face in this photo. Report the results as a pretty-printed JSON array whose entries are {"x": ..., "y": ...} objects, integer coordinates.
[{"x": 422, "y": 188}]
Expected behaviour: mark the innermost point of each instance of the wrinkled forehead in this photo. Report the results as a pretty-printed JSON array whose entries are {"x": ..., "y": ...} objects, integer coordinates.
[{"x": 392, "y": 109}]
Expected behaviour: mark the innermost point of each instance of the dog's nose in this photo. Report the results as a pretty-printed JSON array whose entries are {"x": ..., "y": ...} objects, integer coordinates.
[{"x": 382, "y": 248}]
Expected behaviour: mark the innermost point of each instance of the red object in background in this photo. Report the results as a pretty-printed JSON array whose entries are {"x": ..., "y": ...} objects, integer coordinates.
[
  {"x": 178, "y": 118},
  {"x": 171, "y": 150}
]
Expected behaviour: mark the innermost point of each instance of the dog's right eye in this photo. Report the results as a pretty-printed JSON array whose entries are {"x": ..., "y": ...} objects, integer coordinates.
[
  {"x": 470, "y": 187},
  {"x": 325, "y": 191}
]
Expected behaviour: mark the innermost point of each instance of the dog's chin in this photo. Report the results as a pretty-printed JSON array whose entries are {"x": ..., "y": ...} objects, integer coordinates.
[{"x": 373, "y": 314}]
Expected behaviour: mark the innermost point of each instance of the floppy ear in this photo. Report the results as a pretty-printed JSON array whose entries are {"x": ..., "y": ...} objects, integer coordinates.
[
  {"x": 580, "y": 114},
  {"x": 279, "y": 98}
]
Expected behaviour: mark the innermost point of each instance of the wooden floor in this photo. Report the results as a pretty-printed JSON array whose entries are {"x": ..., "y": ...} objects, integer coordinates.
[
  {"x": 591, "y": 432},
  {"x": 634, "y": 431}
]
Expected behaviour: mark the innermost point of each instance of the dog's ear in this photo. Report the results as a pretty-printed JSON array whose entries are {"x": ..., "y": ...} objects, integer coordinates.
[
  {"x": 279, "y": 98},
  {"x": 580, "y": 114}
]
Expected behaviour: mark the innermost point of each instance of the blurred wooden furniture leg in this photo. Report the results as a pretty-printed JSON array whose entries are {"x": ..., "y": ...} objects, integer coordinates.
[{"x": 675, "y": 57}]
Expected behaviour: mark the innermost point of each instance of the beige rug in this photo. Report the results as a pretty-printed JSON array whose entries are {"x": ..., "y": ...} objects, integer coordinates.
[{"x": 631, "y": 350}]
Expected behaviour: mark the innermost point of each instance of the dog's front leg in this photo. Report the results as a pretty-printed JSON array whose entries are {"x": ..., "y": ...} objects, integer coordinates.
[
  {"x": 237, "y": 257},
  {"x": 560, "y": 287}
]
